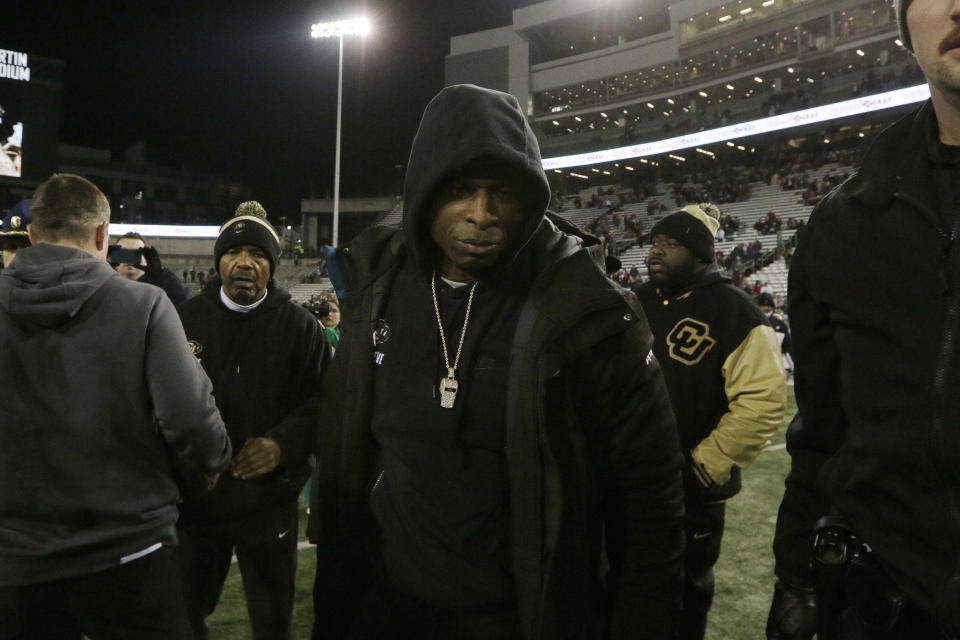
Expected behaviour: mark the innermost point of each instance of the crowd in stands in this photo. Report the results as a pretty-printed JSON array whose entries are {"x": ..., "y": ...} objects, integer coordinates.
[
  {"x": 793, "y": 169},
  {"x": 761, "y": 49},
  {"x": 698, "y": 114}
]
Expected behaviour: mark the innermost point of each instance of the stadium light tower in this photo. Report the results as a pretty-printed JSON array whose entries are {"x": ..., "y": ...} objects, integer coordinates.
[{"x": 339, "y": 29}]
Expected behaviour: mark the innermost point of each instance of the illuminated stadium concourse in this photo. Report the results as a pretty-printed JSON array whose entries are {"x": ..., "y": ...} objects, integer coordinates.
[{"x": 642, "y": 106}]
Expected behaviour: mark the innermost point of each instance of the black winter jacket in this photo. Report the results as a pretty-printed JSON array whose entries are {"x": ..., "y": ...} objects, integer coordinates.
[
  {"x": 875, "y": 304},
  {"x": 265, "y": 366},
  {"x": 590, "y": 441},
  {"x": 591, "y": 445}
]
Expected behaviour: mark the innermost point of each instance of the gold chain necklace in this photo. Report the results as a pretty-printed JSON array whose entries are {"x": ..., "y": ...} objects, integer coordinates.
[{"x": 449, "y": 385}]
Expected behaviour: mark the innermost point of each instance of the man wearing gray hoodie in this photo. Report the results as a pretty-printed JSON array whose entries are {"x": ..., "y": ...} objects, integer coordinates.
[{"x": 100, "y": 392}]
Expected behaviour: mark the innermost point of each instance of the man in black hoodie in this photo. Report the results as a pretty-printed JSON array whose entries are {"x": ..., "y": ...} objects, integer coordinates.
[
  {"x": 722, "y": 363},
  {"x": 99, "y": 390},
  {"x": 264, "y": 354},
  {"x": 494, "y": 422}
]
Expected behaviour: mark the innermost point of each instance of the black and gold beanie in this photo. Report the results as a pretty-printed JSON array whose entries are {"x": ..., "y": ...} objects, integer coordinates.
[{"x": 248, "y": 225}]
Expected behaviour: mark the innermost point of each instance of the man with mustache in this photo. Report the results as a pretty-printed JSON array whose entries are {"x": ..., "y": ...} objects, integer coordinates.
[
  {"x": 874, "y": 304},
  {"x": 721, "y": 360},
  {"x": 264, "y": 354},
  {"x": 497, "y": 457}
]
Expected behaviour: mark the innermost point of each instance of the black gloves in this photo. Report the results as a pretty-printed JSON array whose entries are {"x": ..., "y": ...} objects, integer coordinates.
[
  {"x": 153, "y": 267},
  {"x": 793, "y": 613}
]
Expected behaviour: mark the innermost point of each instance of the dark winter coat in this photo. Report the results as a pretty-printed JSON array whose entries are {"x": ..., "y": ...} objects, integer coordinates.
[
  {"x": 265, "y": 366},
  {"x": 875, "y": 314},
  {"x": 591, "y": 446},
  {"x": 169, "y": 282}
]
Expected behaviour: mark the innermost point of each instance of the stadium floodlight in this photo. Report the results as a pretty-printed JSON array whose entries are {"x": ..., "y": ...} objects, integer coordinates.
[{"x": 339, "y": 29}]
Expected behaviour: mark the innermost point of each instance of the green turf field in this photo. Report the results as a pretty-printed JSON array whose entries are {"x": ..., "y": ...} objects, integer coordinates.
[{"x": 744, "y": 572}]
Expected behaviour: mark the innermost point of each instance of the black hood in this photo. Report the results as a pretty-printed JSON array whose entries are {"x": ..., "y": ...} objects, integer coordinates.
[{"x": 462, "y": 124}]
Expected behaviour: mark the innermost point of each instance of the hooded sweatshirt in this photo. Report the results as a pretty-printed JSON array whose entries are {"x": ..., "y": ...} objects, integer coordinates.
[
  {"x": 434, "y": 545},
  {"x": 100, "y": 391},
  {"x": 591, "y": 452}
]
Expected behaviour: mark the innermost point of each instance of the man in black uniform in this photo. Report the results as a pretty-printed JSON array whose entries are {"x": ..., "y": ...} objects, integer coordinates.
[
  {"x": 874, "y": 299},
  {"x": 264, "y": 354},
  {"x": 493, "y": 421},
  {"x": 769, "y": 308},
  {"x": 723, "y": 368}
]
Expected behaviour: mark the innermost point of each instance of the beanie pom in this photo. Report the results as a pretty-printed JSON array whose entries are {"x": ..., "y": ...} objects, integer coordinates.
[{"x": 251, "y": 208}]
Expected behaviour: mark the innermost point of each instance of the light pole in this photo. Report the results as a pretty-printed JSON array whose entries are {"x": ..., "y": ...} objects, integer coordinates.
[{"x": 353, "y": 27}]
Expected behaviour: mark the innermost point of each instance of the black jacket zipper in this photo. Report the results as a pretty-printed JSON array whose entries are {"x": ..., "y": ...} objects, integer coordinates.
[{"x": 938, "y": 434}]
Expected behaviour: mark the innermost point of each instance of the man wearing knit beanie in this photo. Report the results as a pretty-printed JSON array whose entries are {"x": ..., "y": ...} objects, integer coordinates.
[
  {"x": 873, "y": 300},
  {"x": 264, "y": 354},
  {"x": 247, "y": 228},
  {"x": 725, "y": 377},
  {"x": 694, "y": 227}
]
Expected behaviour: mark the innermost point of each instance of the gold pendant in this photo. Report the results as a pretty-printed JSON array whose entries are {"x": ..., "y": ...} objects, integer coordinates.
[{"x": 448, "y": 392}]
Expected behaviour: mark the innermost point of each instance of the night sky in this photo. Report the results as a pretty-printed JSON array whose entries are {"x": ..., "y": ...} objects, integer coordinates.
[{"x": 241, "y": 89}]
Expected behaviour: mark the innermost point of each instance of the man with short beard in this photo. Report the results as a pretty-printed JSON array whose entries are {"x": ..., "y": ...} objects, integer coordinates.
[
  {"x": 264, "y": 354},
  {"x": 874, "y": 301},
  {"x": 721, "y": 360}
]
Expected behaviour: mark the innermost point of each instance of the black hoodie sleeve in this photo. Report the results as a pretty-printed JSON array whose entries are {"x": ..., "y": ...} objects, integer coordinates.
[
  {"x": 182, "y": 395},
  {"x": 296, "y": 433},
  {"x": 637, "y": 457}
]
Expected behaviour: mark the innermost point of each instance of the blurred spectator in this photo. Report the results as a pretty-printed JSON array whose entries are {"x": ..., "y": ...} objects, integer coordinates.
[
  {"x": 13, "y": 232},
  {"x": 148, "y": 269}
]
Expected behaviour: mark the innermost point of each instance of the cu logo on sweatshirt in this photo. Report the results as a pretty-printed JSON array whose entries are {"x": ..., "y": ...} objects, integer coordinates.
[{"x": 689, "y": 341}]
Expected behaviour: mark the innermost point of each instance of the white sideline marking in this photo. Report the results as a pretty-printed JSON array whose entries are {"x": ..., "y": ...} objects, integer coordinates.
[{"x": 775, "y": 447}]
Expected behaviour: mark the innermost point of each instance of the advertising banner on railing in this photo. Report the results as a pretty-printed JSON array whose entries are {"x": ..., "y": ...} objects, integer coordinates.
[{"x": 845, "y": 109}]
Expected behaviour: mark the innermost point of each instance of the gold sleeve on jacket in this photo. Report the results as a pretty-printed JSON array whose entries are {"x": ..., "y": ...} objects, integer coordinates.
[{"x": 756, "y": 391}]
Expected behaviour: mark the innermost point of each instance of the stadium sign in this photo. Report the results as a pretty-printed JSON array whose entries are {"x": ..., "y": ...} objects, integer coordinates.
[
  {"x": 165, "y": 230},
  {"x": 14, "y": 65},
  {"x": 846, "y": 109}
]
